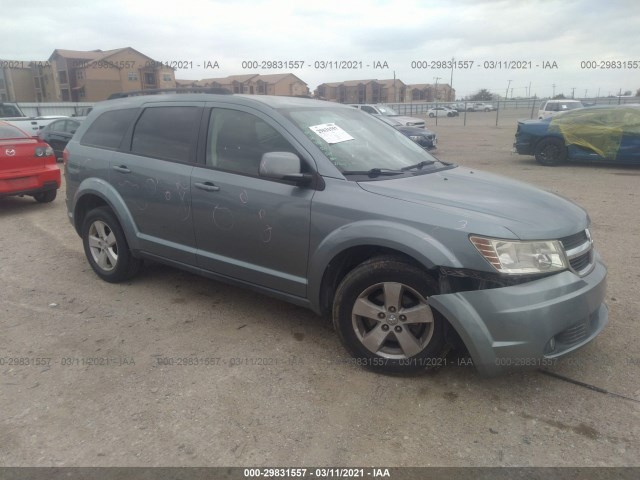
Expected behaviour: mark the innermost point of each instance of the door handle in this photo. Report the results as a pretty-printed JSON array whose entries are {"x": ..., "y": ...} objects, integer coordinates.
[
  {"x": 207, "y": 186},
  {"x": 121, "y": 169}
]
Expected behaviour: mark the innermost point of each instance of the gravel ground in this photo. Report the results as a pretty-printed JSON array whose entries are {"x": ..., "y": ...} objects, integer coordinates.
[{"x": 273, "y": 385}]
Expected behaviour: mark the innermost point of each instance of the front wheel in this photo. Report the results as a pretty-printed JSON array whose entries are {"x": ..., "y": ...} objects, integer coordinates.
[
  {"x": 382, "y": 316},
  {"x": 550, "y": 151},
  {"x": 106, "y": 246}
]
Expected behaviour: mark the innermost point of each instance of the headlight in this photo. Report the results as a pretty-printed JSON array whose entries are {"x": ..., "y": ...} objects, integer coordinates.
[{"x": 514, "y": 257}]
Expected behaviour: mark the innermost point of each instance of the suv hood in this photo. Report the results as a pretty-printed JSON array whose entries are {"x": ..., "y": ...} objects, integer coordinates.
[{"x": 481, "y": 198}]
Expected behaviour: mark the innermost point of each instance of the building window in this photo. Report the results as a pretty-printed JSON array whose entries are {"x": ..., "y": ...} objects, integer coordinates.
[
  {"x": 166, "y": 77},
  {"x": 36, "y": 80},
  {"x": 62, "y": 75},
  {"x": 133, "y": 76},
  {"x": 65, "y": 95},
  {"x": 81, "y": 93},
  {"x": 80, "y": 74},
  {"x": 150, "y": 79}
]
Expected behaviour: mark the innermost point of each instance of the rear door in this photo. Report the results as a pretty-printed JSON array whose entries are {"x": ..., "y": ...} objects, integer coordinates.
[{"x": 152, "y": 174}]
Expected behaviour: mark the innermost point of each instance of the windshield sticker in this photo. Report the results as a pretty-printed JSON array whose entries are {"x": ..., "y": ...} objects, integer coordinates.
[{"x": 331, "y": 133}]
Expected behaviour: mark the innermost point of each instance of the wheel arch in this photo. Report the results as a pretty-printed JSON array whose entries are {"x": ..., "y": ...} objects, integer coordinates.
[
  {"x": 94, "y": 193},
  {"x": 351, "y": 245}
]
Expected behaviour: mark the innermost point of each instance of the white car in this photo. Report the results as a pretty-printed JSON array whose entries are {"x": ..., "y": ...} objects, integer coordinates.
[
  {"x": 481, "y": 107},
  {"x": 554, "y": 107},
  {"x": 442, "y": 112},
  {"x": 390, "y": 112}
]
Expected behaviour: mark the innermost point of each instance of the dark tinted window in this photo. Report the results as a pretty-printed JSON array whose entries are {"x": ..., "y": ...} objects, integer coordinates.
[
  {"x": 109, "y": 128},
  {"x": 166, "y": 132},
  {"x": 57, "y": 126}
]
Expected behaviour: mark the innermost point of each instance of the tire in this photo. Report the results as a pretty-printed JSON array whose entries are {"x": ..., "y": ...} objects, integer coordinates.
[
  {"x": 381, "y": 315},
  {"x": 106, "y": 247},
  {"x": 46, "y": 197},
  {"x": 550, "y": 151}
]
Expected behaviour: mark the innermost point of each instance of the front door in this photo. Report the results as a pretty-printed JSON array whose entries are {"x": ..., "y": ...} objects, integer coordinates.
[{"x": 247, "y": 227}]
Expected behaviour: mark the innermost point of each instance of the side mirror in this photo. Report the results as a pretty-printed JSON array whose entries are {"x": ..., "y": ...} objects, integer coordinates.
[{"x": 283, "y": 166}]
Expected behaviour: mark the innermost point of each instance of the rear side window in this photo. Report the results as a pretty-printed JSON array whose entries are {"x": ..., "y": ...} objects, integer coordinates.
[
  {"x": 9, "y": 131},
  {"x": 108, "y": 129},
  {"x": 167, "y": 132}
]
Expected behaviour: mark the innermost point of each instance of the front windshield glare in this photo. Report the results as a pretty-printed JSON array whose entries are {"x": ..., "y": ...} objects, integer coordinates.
[{"x": 356, "y": 141}]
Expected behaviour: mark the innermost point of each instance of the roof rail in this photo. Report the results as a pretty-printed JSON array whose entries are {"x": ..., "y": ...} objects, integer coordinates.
[{"x": 155, "y": 91}]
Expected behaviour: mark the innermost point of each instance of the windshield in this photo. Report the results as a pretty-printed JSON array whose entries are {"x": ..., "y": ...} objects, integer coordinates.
[
  {"x": 356, "y": 141},
  {"x": 388, "y": 111},
  {"x": 9, "y": 131},
  {"x": 570, "y": 105}
]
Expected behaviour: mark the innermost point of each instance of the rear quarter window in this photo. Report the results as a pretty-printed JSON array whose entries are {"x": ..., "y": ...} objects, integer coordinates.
[{"x": 109, "y": 128}]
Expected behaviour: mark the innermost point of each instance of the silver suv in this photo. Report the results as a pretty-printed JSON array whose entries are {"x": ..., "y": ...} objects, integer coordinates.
[{"x": 324, "y": 206}]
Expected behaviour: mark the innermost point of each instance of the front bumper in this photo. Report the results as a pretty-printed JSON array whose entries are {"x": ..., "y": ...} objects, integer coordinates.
[{"x": 529, "y": 324}]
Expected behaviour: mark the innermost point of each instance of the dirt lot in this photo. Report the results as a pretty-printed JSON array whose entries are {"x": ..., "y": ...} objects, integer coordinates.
[{"x": 278, "y": 388}]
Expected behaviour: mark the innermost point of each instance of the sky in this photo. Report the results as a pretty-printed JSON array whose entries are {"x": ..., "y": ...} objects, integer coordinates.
[{"x": 409, "y": 37}]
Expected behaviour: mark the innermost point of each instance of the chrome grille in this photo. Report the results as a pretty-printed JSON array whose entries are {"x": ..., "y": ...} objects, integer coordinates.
[{"x": 579, "y": 251}]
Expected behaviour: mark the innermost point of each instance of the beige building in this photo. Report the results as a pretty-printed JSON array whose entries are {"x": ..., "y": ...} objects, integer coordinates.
[
  {"x": 364, "y": 91},
  {"x": 428, "y": 92},
  {"x": 81, "y": 76},
  {"x": 286, "y": 84},
  {"x": 16, "y": 81}
]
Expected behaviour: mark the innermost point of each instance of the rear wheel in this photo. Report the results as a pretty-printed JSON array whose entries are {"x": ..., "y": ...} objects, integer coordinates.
[
  {"x": 106, "y": 247},
  {"x": 382, "y": 316},
  {"x": 46, "y": 197},
  {"x": 551, "y": 151}
]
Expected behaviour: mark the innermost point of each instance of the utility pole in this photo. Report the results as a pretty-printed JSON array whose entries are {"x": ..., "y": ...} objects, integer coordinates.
[
  {"x": 529, "y": 90},
  {"x": 453, "y": 61},
  {"x": 585, "y": 92},
  {"x": 436, "y": 91},
  {"x": 506, "y": 95},
  {"x": 395, "y": 95},
  {"x": 554, "y": 91},
  {"x": 573, "y": 90}
]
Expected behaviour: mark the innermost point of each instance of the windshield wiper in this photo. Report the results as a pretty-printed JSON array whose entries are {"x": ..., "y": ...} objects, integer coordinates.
[
  {"x": 419, "y": 165},
  {"x": 374, "y": 172}
]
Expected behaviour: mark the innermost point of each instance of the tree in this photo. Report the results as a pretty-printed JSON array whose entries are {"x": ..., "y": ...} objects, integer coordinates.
[
  {"x": 559, "y": 97},
  {"x": 481, "y": 95}
]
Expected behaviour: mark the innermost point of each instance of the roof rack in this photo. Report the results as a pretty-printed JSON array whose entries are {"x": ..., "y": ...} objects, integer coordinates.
[{"x": 155, "y": 91}]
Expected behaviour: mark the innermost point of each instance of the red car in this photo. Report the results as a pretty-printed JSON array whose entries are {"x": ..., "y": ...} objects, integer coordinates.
[{"x": 27, "y": 166}]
